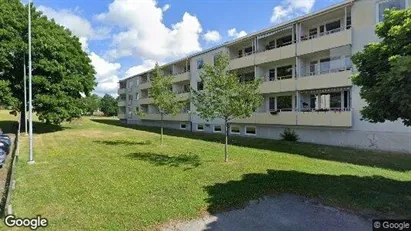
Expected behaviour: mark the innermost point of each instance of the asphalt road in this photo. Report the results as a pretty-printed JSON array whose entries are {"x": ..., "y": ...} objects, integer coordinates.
[{"x": 278, "y": 213}]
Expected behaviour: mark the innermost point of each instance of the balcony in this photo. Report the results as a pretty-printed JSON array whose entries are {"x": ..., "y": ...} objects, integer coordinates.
[
  {"x": 181, "y": 77},
  {"x": 121, "y": 115},
  {"x": 275, "y": 54},
  {"x": 178, "y": 117},
  {"x": 121, "y": 91},
  {"x": 338, "y": 77},
  {"x": 282, "y": 84},
  {"x": 144, "y": 85},
  {"x": 327, "y": 118},
  {"x": 244, "y": 61},
  {"x": 121, "y": 103},
  {"x": 146, "y": 100},
  {"x": 281, "y": 118},
  {"x": 330, "y": 39}
]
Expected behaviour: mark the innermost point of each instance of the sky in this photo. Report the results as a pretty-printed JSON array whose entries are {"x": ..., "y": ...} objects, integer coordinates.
[{"x": 125, "y": 37}]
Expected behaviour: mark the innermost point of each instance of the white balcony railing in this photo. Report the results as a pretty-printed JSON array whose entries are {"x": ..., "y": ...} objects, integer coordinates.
[{"x": 308, "y": 37}]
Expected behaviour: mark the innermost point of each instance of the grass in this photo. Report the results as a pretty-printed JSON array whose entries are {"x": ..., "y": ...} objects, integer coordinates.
[{"x": 96, "y": 174}]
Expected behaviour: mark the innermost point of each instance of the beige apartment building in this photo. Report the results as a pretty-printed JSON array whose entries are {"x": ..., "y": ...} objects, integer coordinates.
[{"x": 306, "y": 67}]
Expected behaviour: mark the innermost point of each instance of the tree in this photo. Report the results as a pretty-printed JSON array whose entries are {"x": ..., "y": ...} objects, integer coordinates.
[
  {"x": 224, "y": 96},
  {"x": 164, "y": 98},
  {"x": 91, "y": 103},
  {"x": 61, "y": 70},
  {"x": 385, "y": 70},
  {"x": 109, "y": 105}
]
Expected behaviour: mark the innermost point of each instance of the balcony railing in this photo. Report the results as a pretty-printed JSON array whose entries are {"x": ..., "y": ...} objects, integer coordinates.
[
  {"x": 332, "y": 109},
  {"x": 270, "y": 47},
  {"x": 308, "y": 37},
  {"x": 327, "y": 71},
  {"x": 273, "y": 78}
]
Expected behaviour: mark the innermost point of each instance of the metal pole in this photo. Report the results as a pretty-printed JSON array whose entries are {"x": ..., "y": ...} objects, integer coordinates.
[
  {"x": 31, "y": 161},
  {"x": 25, "y": 96}
]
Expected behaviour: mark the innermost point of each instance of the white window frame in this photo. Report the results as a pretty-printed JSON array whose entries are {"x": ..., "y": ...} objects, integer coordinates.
[
  {"x": 231, "y": 129},
  {"x": 182, "y": 127},
  {"x": 221, "y": 128},
  {"x": 377, "y": 7},
  {"x": 250, "y": 134},
  {"x": 200, "y": 129},
  {"x": 202, "y": 60}
]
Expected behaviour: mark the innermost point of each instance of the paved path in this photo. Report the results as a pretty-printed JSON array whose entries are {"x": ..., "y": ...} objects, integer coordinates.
[{"x": 278, "y": 213}]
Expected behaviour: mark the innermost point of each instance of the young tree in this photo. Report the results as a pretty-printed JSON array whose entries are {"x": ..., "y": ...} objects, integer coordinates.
[
  {"x": 164, "y": 98},
  {"x": 61, "y": 70},
  {"x": 224, "y": 96},
  {"x": 385, "y": 70},
  {"x": 109, "y": 105}
]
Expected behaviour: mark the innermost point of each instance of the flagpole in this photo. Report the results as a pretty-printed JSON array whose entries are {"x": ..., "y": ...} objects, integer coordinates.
[
  {"x": 31, "y": 160},
  {"x": 25, "y": 96}
]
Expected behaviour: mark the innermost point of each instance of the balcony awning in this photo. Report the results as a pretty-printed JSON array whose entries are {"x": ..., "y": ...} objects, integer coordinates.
[
  {"x": 273, "y": 32},
  {"x": 325, "y": 90}
]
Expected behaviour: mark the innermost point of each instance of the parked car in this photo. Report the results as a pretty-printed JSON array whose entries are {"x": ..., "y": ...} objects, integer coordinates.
[
  {"x": 5, "y": 143},
  {"x": 3, "y": 156}
]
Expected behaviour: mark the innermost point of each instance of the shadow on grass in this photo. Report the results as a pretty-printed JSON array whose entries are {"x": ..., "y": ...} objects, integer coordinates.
[
  {"x": 184, "y": 160},
  {"x": 393, "y": 161},
  {"x": 9, "y": 126},
  {"x": 372, "y": 195},
  {"x": 123, "y": 142}
]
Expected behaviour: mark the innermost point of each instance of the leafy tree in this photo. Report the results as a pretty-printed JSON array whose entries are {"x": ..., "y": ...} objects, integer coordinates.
[
  {"x": 91, "y": 103},
  {"x": 109, "y": 105},
  {"x": 61, "y": 69},
  {"x": 164, "y": 98},
  {"x": 385, "y": 70},
  {"x": 224, "y": 96}
]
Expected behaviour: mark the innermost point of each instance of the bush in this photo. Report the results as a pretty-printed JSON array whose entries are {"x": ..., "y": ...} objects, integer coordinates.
[{"x": 289, "y": 135}]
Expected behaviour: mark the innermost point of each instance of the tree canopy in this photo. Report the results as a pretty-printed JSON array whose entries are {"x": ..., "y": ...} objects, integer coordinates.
[
  {"x": 224, "y": 96},
  {"x": 91, "y": 103},
  {"x": 61, "y": 70},
  {"x": 385, "y": 70},
  {"x": 109, "y": 105}
]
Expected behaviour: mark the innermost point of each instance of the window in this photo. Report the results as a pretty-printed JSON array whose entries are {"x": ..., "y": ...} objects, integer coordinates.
[
  {"x": 200, "y": 86},
  {"x": 247, "y": 77},
  {"x": 183, "y": 126},
  {"x": 271, "y": 45},
  {"x": 250, "y": 130},
  {"x": 200, "y": 127},
  {"x": 324, "y": 65},
  {"x": 200, "y": 64},
  {"x": 313, "y": 67},
  {"x": 284, "y": 41},
  {"x": 285, "y": 72},
  {"x": 186, "y": 88},
  {"x": 130, "y": 97},
  {"x": 313, "y": 101},
  {"x": 333, "y": 26},
  {"x": 313, "y": 33},
  {"x": 248, "y": 50},
  {"x": 348, "y": 21},
  {"x": 137, "y": 96},
  {"x": 217, "y": 128},
  {"x": 271, "y": 74},
  {"x": 389, "y": 4},
  {"x": 271, "y": 102},
  {"x": 235, "y": 129},
  {"x": 346, "y": 99},
  {"x": 285, "y": 103},
  {"x": 335, "y": 100},
  {"x": 240, "y": 53}
]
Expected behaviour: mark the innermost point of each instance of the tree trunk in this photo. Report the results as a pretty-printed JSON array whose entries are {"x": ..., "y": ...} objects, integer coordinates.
[
  {"x": 226, "y": 142},
  {"x": 161, "y": 141}
]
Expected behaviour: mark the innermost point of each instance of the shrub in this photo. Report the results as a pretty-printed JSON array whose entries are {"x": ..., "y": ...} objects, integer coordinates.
[{"x": 289, "y": 135}]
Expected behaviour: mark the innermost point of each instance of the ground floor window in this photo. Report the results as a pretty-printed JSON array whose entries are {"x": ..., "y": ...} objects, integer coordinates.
[
  {"x": 235, "y": 129},
  {"x": 217, "y": 128},
  {"x": 250, "y": 130},
  {"x": 200, "y": 127},
  {"x": 183, "y": 126}
]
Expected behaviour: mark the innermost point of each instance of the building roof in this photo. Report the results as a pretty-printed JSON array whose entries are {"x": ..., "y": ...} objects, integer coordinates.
[{"x": 275, "y": 27}]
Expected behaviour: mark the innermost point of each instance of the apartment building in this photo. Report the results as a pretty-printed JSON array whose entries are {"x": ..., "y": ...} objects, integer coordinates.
[{"x": 306, "y": 67}]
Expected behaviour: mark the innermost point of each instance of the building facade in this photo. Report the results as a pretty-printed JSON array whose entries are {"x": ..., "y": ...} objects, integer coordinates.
[{"x": 306, "y": 67}]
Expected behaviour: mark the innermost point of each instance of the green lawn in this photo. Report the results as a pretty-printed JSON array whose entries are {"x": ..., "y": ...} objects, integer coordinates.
[{"x": 97, "y": 174}]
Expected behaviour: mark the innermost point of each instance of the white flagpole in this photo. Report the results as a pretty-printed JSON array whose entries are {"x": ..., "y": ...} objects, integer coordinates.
[
  {"x": 25, "y": 96},
  {"x": 31, "y": 161}
]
